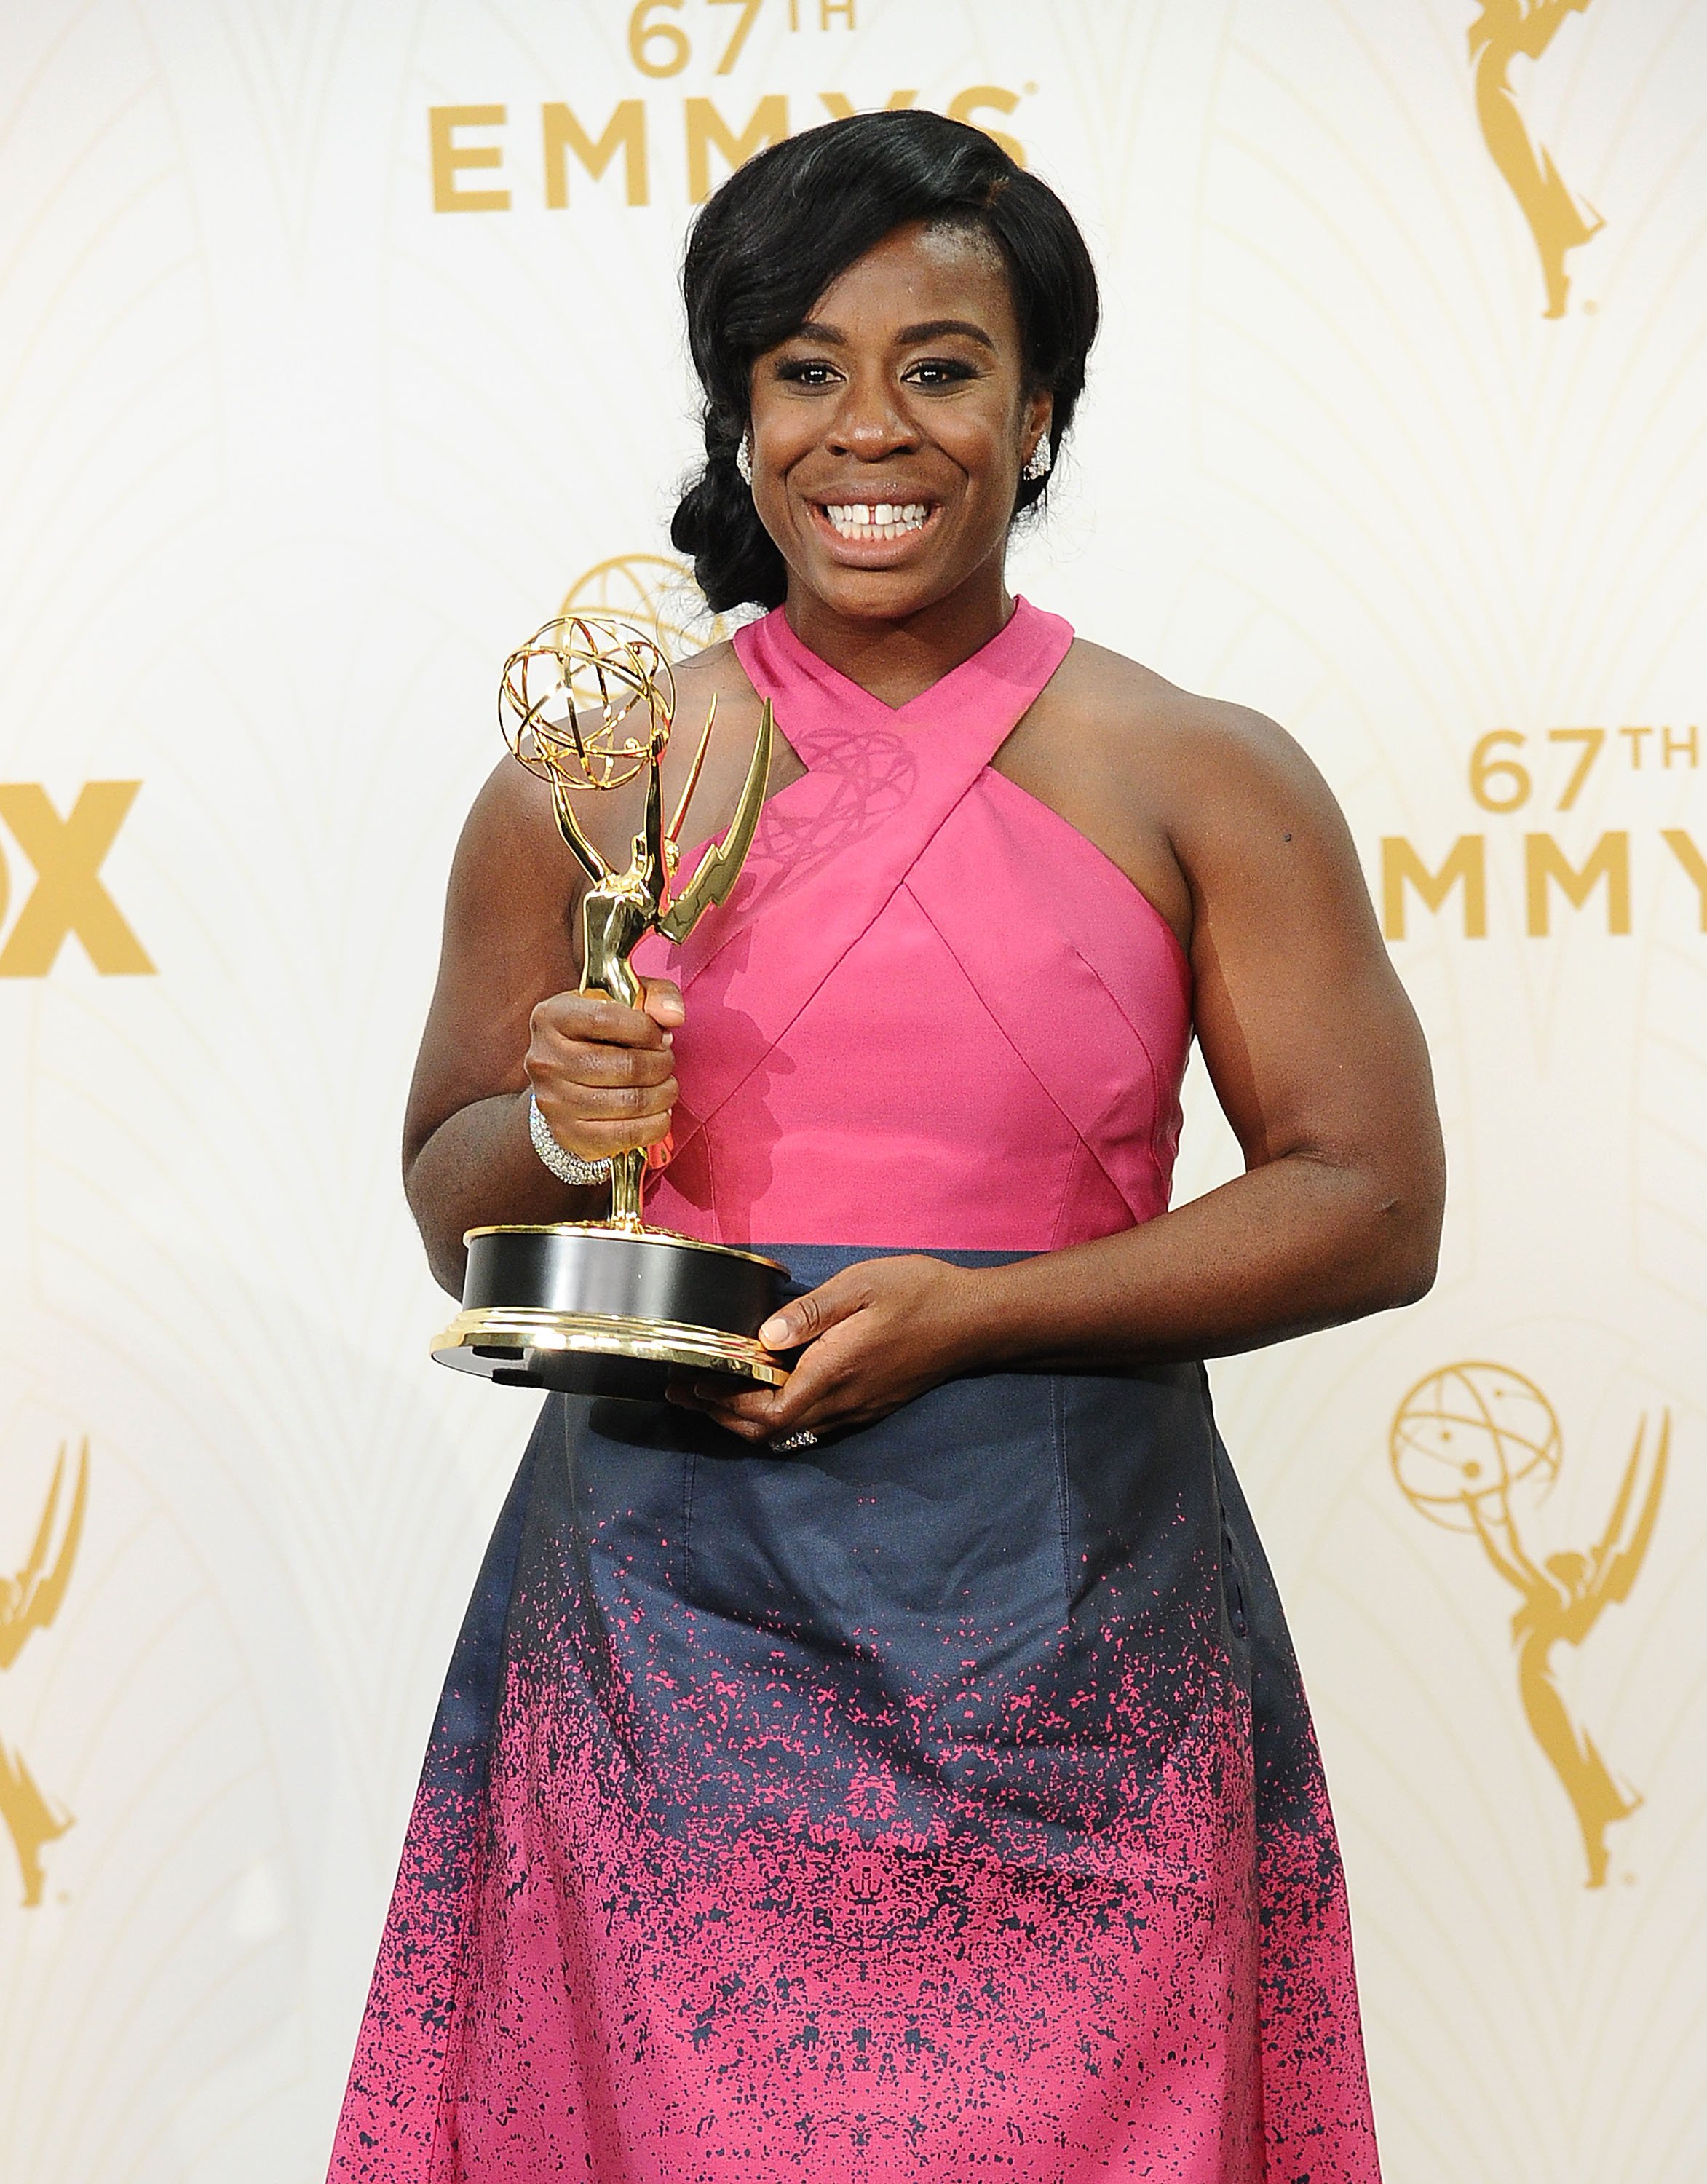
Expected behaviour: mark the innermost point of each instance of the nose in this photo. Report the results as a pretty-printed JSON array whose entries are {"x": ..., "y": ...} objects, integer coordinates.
[{"x": 870, "y": 423}]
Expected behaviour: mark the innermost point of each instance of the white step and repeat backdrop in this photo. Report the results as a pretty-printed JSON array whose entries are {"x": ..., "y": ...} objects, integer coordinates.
[{"x": 337, "y": 344}]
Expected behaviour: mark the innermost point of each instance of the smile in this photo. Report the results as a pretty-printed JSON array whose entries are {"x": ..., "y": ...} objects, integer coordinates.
[{"x": 881, "y": 519}]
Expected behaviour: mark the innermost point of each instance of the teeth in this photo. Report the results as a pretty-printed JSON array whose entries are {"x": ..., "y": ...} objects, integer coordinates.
[{"x": 880, "y": 519}]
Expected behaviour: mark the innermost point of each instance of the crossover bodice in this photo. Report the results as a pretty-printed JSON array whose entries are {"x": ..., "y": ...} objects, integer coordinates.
[{"x": 931, "y": 1014}]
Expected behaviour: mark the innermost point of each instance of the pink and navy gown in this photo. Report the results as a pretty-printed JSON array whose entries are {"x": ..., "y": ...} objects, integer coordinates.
[{"x": 940, "y": 1801}]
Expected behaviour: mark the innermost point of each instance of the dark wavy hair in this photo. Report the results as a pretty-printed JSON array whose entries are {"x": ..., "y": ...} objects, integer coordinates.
[{"x": 766, "y": 246}]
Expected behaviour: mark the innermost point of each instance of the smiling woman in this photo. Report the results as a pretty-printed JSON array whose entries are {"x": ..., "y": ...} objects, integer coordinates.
[
  {"x": 904, "y": 1773},
  {"x": 931, "y": 416},
  {"x": 766, "y": 258}
]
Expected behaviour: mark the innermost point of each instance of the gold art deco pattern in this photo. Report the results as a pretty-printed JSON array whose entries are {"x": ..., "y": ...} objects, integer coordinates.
[{"x": 338, "y": 347}]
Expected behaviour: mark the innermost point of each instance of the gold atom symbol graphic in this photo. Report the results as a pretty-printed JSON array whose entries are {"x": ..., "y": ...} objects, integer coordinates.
[{"x": 1465, "y": 1435}]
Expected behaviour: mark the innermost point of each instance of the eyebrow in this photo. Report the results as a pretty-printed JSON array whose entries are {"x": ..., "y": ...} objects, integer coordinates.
[{"x": 928, "y": 330}]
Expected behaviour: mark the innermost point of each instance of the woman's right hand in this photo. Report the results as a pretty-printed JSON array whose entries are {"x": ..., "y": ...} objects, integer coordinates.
[{"x": 603, "y": 1075}]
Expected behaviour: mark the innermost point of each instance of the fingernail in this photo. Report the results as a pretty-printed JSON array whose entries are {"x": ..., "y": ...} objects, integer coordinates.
[
  {"x": 669, "y": 1038},
  {"x": 774, "y": 1334}
]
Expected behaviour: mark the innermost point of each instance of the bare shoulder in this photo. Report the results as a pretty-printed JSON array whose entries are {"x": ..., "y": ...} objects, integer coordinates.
[
  {"x": 715, "y": 672},
  {"x": 1131, "y": 718},
  {"x": 511, "y": 832},
  {"x": 1192, "y": 797}
]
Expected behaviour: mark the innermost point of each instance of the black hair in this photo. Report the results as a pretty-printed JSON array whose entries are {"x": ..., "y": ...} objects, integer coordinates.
[{"x": 765, "y": 247}]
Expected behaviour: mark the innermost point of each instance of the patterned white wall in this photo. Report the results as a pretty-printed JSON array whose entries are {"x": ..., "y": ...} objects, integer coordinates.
[{"x": 288, "y": 460}]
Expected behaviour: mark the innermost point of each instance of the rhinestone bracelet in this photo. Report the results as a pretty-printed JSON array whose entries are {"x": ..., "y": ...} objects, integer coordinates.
[{"x": 567, "y": 1167}]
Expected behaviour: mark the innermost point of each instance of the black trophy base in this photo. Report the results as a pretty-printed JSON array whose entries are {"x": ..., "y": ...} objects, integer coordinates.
[{"x": 592, "y": 1310}]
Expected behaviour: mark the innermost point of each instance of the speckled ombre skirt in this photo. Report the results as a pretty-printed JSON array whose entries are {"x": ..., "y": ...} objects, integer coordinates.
[{"x": 939, "y": 1802}]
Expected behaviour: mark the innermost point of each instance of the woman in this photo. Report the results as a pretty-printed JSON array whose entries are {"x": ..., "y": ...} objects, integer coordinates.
[{"x": 903, "y": 1774}]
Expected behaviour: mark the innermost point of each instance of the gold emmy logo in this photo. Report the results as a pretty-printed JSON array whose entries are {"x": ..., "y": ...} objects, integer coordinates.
[
  {"x": 29, "y": 1601},
  {"x": 1469, "y": 1444},
  {"x": 653, "y": 592},
  {"x": 1558, "y": 221}
]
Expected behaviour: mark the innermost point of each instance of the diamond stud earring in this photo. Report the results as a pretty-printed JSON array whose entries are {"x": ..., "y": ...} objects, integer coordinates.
[
  {"x": 1041, "y": 460},
  {"x": 743, "y": 461}
]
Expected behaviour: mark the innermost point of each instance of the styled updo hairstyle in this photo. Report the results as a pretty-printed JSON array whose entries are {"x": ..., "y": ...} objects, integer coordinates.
[{"x": 765, "y": 247}]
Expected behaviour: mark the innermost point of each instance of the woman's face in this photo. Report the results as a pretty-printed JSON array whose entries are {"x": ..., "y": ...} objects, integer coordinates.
[{"x": 889, "y": 431}]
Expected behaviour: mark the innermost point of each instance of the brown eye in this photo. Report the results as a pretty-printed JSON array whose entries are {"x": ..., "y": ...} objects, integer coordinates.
[
  {"x": 806, "y": 372},
  {"x": 940, "y": 371}
]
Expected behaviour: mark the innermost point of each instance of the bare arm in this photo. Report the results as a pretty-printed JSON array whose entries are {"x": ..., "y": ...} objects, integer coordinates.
[
  {"x": 1319, "y": 1063},
  {"x": 505, "y": 1020}
]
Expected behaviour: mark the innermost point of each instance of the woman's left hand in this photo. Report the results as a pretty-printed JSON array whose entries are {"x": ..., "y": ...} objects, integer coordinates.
[{"x": 875, "y": 1335}]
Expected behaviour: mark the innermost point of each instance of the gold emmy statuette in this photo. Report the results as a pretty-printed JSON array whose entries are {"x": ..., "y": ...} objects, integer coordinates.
[
  {"x": 28, "y": 1604},
  {"x": 608, "y": 1307},
  {"x": 1508, "y": 30},
  {"x": 1466, "y": 1442}
]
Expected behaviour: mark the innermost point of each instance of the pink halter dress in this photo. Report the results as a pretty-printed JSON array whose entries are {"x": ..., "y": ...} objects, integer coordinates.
[{"x": 940, "y": 1803}]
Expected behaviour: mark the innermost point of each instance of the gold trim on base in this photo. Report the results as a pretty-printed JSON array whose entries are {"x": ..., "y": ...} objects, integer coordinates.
[{"x": 522, "y": 1328}]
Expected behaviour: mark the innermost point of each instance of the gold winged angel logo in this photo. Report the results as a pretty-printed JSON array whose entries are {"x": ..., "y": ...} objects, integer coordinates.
[
  {"x": 1505, "y": 31},
  {"x": 29, "y": 1603},
  {"x": 1467, "y": 1443}
]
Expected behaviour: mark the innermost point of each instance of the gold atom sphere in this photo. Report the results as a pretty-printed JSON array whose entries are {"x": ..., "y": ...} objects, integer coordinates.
[
  {"x": 587, "y": 702},
  {"x": 654, "y": 591},
  {"x": 1465, "y": 1435}
]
